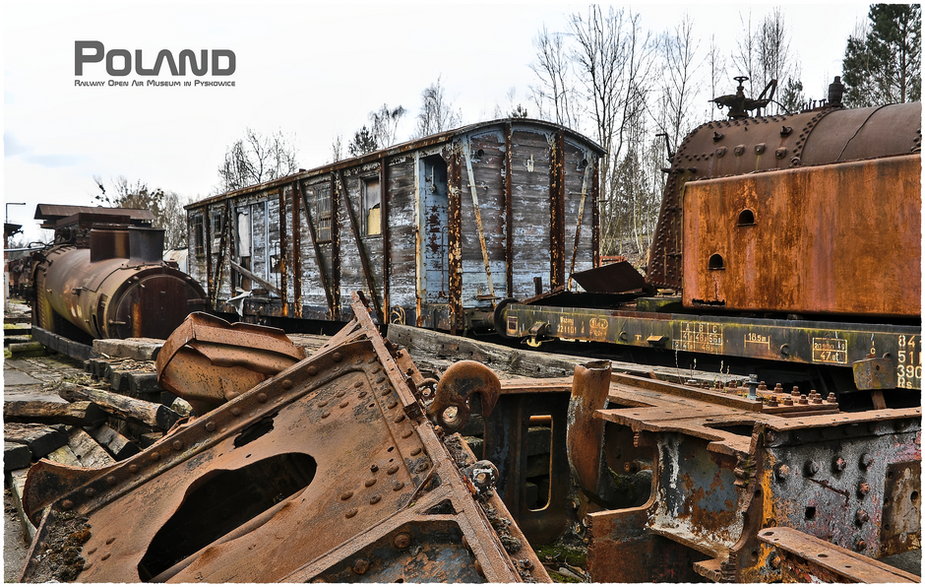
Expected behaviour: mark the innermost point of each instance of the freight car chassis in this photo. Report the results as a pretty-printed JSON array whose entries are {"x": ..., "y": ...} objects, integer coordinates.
[{"x": 882, "y": 356}]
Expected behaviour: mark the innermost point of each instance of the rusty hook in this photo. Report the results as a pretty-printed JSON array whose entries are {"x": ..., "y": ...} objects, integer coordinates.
[{"x": 456, "y": 387}]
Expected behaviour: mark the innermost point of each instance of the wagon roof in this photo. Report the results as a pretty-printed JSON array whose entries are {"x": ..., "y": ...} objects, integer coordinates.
[{"x": 398, "y": 149}]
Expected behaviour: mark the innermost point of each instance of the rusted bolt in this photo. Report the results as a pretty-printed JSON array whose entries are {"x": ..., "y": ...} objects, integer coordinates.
[
  {"x": 89, "y": 492},
  {"x": 67, "y": 504},
  {"x": 860, "y": 545},
  {"x": 286, "y": 383},
  {"x": 344, "y": 404},
  {"x": 111, "y": 480},
  {"x": 392, "y": 470},
  {"x": 337, "y": 357},
  {"x": 110, "y": 540},
  {"x": 407, "y": 433},
  {"x": 784, "y": 350},
  {"x": 262, "y": 397},
  {"x": 635, "y": 439},
  {"x": 360, "y": 566},
  {"x": 811, "y": 468},
  {"x": 105, "y": 556},
  {"x": 866, "y": 461},
  {"x": 831, "y": 397},
  {"x": 312, "y": 370},
  {"x": 133, "y": 469},
  {"x": 391, "y": 404},
  {"x": 352, "y": 512},
  {"x": 346, "y": 495},
  {"x": 177, "y": 445},
  {"x": 155, "y": 456},
  {"x": 795, "y": 392},
  {"x": 415, "y": 451},
  {"x": 325, "y": 414},
  {"x": 370, "y": 482},
  {"x": 374, "y": 468},
  {"x": 236, "y": 411},
  {"x": 422, "y": 466},
  {"x": 781, "y": 152},
  {"x": 803, "y": 400},
  {"x": 398, "y": 485},
  {"x": 402, "y": 540},
  {"x": 375, "y": 499},
  {"x": 860, "y": 517},
  {"x": 210, "y": 426},
  {"x": 399, "y": 418},
  {"x": 863, "y": 489},
  {"x": 839, "y": 464}
]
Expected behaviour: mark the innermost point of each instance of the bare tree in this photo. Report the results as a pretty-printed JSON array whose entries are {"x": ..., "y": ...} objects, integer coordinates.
[
  {"x": 256, "y": 158},
  {"x": 337, "y": 149},
  {"x": 613, "y": 58},
  {"x": 679, "y": 80},
  {"x": 437, "y": 113},
  {"x": 554, "y": 91},
  {"x": 763, "y": 54},
  {"x": 717, "y": 65},
  {"x": 166, "y": 205},
  {"x": 384, "y": 124}
]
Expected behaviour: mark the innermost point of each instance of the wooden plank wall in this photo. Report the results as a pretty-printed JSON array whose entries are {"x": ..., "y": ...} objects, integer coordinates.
[{"x": 524, "y": 224}]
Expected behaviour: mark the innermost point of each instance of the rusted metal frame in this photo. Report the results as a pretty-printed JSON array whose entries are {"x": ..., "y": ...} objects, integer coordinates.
[
  {"x": 596, "y": 215},
  {"x": 319, "y": 258},
  {"x": 207, "y": 236},
  {"x": 509, "y": 209},
  {"x": 805, "y": 557},
  {"x": 335, "y": 248},
  {"x": 578, "y": 222},
  {"x": 419, "y": 269},
  {"x": 479, "y": 227},
  {"x": 296, "y": 249},
  {"x": 386, "y": 237},
  {"x": 283, "y": 253},
  {"x": 251, "y": 275},
  {"x": 361, "y": 250},
  {"x": 789, "y": 341},
  {"x": 454, "y": 238},
  {"x": 223, "y": 251},
  {"x": 557, "y": 211}
]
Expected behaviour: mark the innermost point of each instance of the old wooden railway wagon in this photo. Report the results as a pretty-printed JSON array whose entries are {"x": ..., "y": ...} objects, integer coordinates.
[{"x": 435, "y": 231}]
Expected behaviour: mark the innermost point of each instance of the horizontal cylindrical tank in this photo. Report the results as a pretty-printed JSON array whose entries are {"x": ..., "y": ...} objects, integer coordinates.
[{"x": 115, "y": 297}]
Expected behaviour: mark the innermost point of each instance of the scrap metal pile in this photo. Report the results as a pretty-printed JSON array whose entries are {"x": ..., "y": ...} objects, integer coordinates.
[
  {"x": 350, "y": 466},
  {"x": 326, "y": 471}
]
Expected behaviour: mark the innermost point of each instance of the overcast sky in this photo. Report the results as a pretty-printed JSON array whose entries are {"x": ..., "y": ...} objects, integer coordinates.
[{"x": 313, "y": 70}]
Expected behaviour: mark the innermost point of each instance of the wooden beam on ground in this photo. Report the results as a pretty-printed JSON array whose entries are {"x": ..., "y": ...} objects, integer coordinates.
[
  {"x": 16, "y": 456},
  {"x": 115, "y": 443},
  {"x": 40, "y": 440},
  {"x": 42, "y": 412},
  {"x": 150, "y": 414},
  {"x": 17, "y": 483},
  {"x": 88, "y": 452}
]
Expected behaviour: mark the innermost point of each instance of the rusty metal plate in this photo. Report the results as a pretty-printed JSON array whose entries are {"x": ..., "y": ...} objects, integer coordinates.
[
  {"x": 208, "y": 361},
  {"x": 328, "y": 471},
  {"x": 803, "y": 241},
  {"x": 611, "y": 278}
]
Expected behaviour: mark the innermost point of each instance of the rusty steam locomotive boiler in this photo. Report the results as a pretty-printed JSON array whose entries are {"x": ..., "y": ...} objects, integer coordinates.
[{"x": 104, "y": 278}]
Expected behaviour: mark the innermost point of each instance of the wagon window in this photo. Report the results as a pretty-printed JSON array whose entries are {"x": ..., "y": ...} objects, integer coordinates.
[
  {"x": 199, "y": 238},
  {"x": 323, "y": 214},
  {"x": 372, "y": 206}
]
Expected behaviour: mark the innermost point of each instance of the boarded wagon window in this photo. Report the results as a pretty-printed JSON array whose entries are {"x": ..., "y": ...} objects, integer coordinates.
[
  {"x": 372, "y": 206},
  {"x": 199, "y": 236},
  {"x": 323, "y": 215}
]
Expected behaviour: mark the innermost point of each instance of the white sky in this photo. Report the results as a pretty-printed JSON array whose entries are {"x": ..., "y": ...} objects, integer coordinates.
[{"x": 312, "y": 70}]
